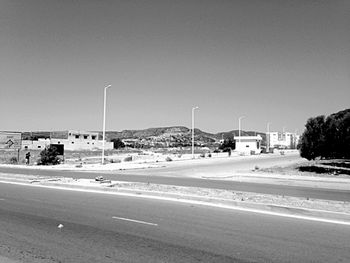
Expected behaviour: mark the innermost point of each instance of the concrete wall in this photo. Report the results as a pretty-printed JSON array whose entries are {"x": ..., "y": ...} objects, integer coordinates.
[
  {"x": 74, "y": 145},
  {"x": 69, "y": 145}
]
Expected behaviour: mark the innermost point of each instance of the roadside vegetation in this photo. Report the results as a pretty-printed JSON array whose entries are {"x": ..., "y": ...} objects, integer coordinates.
[
  {"x": 49, "y": 156},
  {"x": 327, "y": 140}
]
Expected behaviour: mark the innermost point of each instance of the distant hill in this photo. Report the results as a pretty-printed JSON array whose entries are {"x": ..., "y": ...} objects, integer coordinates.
[{"x": 178, "y": 134}]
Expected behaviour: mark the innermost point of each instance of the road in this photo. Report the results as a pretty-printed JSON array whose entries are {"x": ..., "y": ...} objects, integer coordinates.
[
  {"x": 104, "y": 228},
  {"x": 179, "y": 175}
]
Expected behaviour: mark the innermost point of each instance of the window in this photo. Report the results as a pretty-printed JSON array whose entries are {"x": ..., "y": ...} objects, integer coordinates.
[
  {"x": 93, "y": 137},
  {"x": 25, "y": 147},
  {"x": 39, "y": 146},
  {"x": 72, "y": 142},
  {"x": 85, "y": 136},
  {"x": 76, "y": 136}
]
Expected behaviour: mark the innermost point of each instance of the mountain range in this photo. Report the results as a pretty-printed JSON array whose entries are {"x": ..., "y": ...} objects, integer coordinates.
[{"x": 158, "y": 133}]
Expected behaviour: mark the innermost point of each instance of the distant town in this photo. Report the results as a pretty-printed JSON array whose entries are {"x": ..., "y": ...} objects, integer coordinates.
[{"x": 163, "y": 137}]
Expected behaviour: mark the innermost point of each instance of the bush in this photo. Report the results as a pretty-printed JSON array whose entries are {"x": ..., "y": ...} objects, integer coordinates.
[
  {"x": 228, "y": 143},
  {"x": 13, "y": 160},
  {"x": 128, "y": 159},
  {"x": 209, "y": 155},
  {"x": 168, "y": 159},
  {"x": 202, "y": 155},
  {"x": 115, "y": 161},
  {"x": 118, "y": 143},
  {"x": 48, "y": 156}
]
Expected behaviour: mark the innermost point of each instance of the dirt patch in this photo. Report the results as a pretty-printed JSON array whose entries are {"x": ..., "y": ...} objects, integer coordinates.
[
  {"x": 324, "y": 170},
  {"x": 329, "y": 168}
]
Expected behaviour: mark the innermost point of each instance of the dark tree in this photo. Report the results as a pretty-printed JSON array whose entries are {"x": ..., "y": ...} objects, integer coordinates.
[
  {"x": 228, "y": 144},
  {"x": 118, "y": 143},
  {"x": 49, "y": 156},
  {"x": 326, "y": 137}
]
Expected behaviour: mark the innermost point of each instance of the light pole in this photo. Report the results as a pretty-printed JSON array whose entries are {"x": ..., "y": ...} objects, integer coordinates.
[
  {"x": 193, "y": 109},
  {"x": 239, "y": 127},
  {"x": 268, "y": 138},
  {"x": 104, "y": 123}
]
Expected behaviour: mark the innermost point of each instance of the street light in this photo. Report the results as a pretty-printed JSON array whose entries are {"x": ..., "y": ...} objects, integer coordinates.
[
  {"x": 193, "y": 109},
  {"x": 104, "y": 123},
  {"x": 268, "y": 138},
  {"x": 239, "y": 127}
]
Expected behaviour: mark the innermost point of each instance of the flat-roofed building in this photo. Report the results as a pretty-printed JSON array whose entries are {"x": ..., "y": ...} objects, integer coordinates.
[
  {"x": 248, "y": 144},
  {"x": 72, "y": 141},
  {"x": 284, "y": 140}
]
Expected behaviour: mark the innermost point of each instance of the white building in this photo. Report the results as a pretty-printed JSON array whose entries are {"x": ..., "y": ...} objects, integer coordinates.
[
  {"x": 248, "y": 144},
  {"x": 287, "y": 140},
  {"x": 72, "y": 141}
]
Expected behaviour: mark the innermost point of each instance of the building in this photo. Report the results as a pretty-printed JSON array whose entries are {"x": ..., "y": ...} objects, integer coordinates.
[
  {"x": 248, "y": 144},
  {"x": 72, "y": 141},
  {"x": 282, "y": 140}
]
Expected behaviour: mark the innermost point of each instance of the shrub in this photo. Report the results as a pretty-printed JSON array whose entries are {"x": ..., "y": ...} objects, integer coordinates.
[
  {"x": 202, "y": 155},
  {"x": 49, "y": 156},
  {"x": 228, "y": 143},
  {"x": 118, "y": 143},
  {"x": 13, "y": 160},
  {"x": 168, "y": 159},
  {"x": 128, "y": 159},
  {"x": 115, "y": 161},
  {"x": 209, "y": 155}
]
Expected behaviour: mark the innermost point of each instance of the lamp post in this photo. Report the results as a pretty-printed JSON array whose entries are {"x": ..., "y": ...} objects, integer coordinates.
[
  {"x": 239, "y": 127},
  {"x": 104, "y": 123},
  {"x": 193, "y": 109},
  {"x": 268, "y": 138}
]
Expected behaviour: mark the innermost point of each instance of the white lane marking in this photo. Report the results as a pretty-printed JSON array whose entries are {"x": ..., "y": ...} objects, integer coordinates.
[
  {"x": 2, "y": 199},
  {"x": 317, "y": 219},
  {"x": 135, "y": 221}
]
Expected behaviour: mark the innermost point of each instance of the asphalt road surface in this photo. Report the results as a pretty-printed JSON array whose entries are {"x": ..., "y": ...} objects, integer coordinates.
[
  {"x": 104, "y": 228},
  {"x": 158, "y": 176}
]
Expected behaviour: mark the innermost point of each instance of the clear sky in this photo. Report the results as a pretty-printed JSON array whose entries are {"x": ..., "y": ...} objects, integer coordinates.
[{"x": 269, "y": 60}]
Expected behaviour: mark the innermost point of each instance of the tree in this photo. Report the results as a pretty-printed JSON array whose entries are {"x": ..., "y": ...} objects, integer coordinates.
[
  {"x": 228, "y": 144},
  {"x": 49, "y": 156},
  {"x": 312, "y": 141},
  {"x": 118, "y": 143},
  {"x": 326, "y": 137}
]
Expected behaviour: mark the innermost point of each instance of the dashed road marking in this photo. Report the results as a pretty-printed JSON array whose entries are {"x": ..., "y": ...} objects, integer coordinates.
[{"x": 135, "y": 221}]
